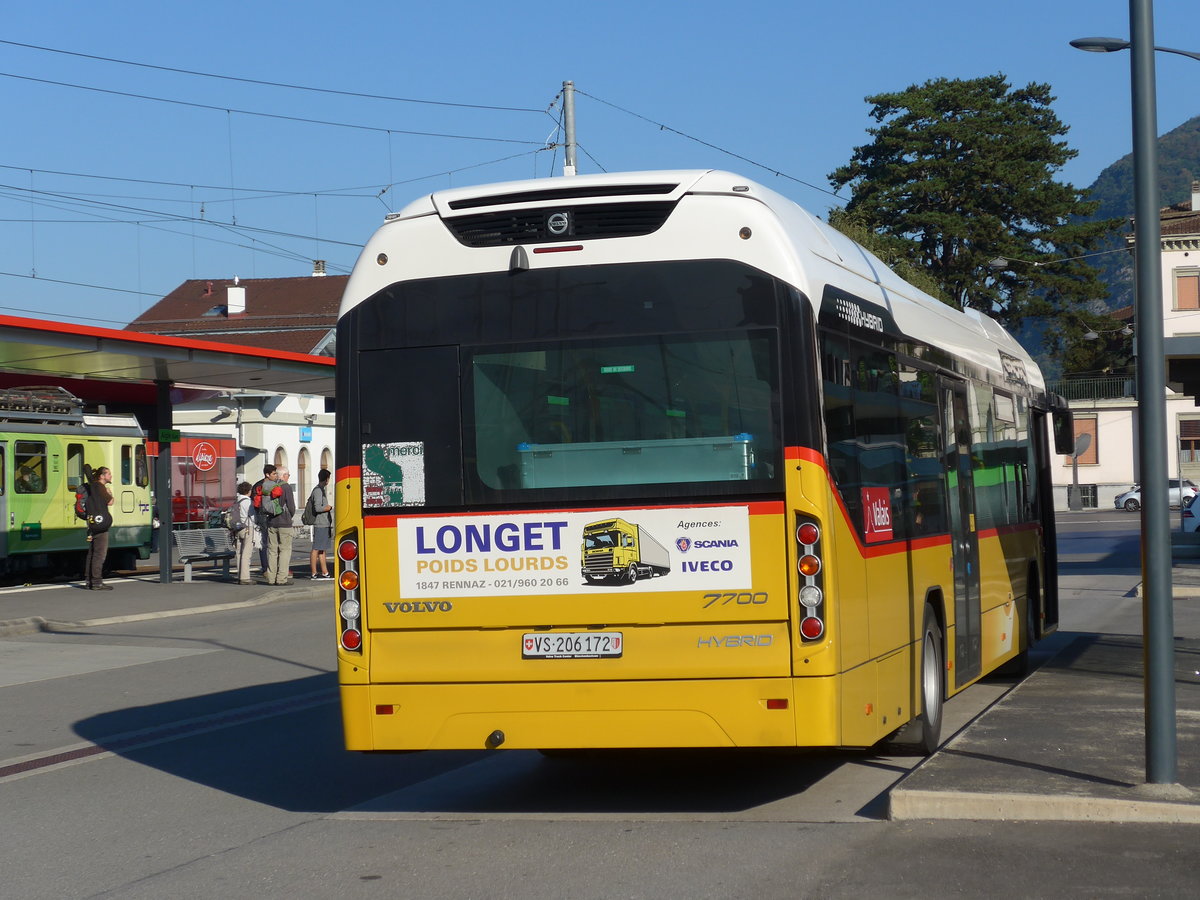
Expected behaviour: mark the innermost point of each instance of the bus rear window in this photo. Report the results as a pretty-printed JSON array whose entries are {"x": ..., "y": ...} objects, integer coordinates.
[{"x": 646, "y": 410}]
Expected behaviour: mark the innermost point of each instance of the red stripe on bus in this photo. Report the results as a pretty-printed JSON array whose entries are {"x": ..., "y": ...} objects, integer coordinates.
[
  {"x": 387, "y": 520},
  {"x": 759, "y": 507},
  {"x": 806, "y": 454}
]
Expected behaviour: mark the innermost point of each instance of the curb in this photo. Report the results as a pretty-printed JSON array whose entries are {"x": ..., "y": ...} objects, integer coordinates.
[
  {"x": 37, "y": 624},
  {"x": 15, "y": 627},
  {"x": 910, "y": 805},
  {"x": 1178, "y": 591}
]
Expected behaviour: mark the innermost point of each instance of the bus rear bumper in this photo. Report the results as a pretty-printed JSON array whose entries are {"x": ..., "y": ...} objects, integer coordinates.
[{"x": 696, "y": 713}]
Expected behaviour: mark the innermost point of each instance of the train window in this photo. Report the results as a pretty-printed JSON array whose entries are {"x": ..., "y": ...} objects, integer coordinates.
[
  {"x": 29, "y": 460},
  {"x": 141, "y": 470},
  {"x": 74, "y": 466},
  {"x": 126, "y": 465}
]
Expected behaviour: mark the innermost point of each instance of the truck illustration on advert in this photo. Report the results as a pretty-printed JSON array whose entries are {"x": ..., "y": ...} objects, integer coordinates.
[{"x": 620, "y": 552}]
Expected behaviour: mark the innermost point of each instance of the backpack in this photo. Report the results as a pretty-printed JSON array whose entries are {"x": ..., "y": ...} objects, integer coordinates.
[
  {"x": 232, "y": 518},
  {"x": 270, "y": 499},
  {"x": 98, "y": 517},
  {"x": 309, "y": 516},
  {"x": 81, "y": 494}
]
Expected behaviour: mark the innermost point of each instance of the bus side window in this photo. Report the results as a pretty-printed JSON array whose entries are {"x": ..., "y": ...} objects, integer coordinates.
[{"x": 922, "y": 445}]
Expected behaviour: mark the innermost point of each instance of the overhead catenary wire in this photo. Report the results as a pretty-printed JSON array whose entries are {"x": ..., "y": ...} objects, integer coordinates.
[
  {"x": 247, "y": 112},
  {"x": 664, "y": 127},
  {"x": 268, "y": 193},
  {"x": 278, "y": 84}
]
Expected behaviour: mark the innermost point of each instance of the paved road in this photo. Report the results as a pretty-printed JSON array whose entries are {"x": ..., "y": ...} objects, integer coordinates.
[{"x": 200, "y": 756}]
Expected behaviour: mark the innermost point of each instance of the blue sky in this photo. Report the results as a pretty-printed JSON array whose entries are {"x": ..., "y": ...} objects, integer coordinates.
[{"x": 778, "y": 83}]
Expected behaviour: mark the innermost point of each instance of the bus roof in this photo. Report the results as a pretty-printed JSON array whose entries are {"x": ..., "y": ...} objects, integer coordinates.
[{"x": 821, "y": 254}]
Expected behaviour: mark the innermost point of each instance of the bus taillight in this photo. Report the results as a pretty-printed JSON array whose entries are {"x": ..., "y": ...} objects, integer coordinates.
[
  {"x": 811, "y": 628},
  {"x": 810, "y": 593},
  {"x": 349, "y": 603}
]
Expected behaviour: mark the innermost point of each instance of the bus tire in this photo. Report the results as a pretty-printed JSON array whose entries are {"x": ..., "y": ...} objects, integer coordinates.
[{"x": 923, "y": 734}]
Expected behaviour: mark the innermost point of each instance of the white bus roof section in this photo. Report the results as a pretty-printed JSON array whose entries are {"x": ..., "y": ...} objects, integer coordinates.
[
  {"x": 63, "y": 350},
  {"x": 790, "y": 243}
]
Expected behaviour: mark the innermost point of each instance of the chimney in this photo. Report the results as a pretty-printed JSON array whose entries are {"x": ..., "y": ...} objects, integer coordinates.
[
  {"x": 1196, "y": 196},
  {"x": 319, "y": 268},
  {"x": 235, "y": 300}
]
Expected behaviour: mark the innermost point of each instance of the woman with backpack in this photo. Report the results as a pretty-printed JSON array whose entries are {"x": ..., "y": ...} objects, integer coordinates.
[
  {"x": 318, "y": 512},
  {"x": 99, "y": 499},
  {"x": 243, "y": 532}
]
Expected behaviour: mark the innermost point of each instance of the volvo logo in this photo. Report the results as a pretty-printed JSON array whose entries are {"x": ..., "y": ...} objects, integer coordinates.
[{"x": 558, "y": 223}]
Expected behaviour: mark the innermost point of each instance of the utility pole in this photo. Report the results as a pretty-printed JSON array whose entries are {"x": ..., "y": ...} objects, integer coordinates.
[
  {"x": 1158, "y": 623},
  {"x": 569, "y": 126}
]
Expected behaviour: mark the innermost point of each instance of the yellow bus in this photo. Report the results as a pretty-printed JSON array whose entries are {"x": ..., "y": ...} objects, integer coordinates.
[{"x": 662, "y": 460}]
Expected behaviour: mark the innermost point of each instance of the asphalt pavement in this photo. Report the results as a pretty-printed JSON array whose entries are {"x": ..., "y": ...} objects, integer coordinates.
[
  {"x": 141, "y": 595},
  {"x": 1066, "y": 744}
]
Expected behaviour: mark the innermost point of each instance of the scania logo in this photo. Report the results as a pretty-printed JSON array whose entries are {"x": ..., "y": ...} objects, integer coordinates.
[
  {"x": 683, "y": 544},
  {"x": 422, "y": 606},
  {"x": 558, "y": 223}
]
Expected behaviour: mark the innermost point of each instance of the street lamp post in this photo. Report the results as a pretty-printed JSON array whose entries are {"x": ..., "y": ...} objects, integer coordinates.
[{"x": 1157, "y": 613}]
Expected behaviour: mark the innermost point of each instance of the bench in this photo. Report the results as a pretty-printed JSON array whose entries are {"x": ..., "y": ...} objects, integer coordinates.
[{"x": 201, "y": 544}]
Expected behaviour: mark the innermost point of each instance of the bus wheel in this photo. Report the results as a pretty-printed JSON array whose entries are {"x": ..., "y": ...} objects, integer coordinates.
[
  {"x": 631, "y": 574},
  {"x": 923, "y": 734}
]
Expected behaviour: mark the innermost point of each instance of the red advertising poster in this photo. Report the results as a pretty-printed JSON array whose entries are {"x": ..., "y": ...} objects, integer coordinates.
[
  {"x": 877, "y": 514},
  {"x": 203, "y": 478}
]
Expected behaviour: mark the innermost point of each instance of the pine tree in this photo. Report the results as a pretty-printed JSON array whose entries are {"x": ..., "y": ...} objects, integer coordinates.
[{"x": 961, "y": 173}]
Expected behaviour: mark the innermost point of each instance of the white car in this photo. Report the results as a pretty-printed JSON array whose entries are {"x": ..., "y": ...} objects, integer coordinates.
[{"x": 1180, "y": 493}]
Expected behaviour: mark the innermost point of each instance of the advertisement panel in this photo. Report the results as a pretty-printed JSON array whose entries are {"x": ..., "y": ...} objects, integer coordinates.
[{"x": 569, "y": 552}]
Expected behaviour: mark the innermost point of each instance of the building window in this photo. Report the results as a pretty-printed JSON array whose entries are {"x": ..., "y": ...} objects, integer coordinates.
[
  {"x": 1187, "y": 289},
  {"x": 1189, "y": 441},
  {"x": 1091, "y": 455}
]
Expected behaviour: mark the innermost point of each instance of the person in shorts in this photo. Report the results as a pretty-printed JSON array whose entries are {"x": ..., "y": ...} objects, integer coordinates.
[{"x": 322, "y": 529}]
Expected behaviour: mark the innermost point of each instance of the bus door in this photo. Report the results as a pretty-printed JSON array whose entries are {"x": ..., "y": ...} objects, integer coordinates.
[
  {"x": 964, "y": 538},
  {"x": 4, "y": 520},
  {"x": 1043, "y": 501}
]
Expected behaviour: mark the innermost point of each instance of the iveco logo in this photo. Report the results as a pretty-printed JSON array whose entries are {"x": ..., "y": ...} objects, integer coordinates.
[{"x": 558, "y": 223}]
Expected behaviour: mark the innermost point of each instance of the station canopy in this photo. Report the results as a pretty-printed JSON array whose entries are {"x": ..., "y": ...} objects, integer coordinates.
[{"x": 115, "y": 366}]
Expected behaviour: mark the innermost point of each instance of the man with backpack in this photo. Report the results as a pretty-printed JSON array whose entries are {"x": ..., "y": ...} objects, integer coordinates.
[
  {"x": 260, "y": 523},
  {"x": 277, "y": 506}
]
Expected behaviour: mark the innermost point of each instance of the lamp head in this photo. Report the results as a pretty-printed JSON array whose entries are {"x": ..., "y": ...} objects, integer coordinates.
[{"x": 1100, "y": 44}]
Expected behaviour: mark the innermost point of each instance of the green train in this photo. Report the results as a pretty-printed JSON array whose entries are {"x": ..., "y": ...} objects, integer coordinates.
[{"x": 46, "y": 439}]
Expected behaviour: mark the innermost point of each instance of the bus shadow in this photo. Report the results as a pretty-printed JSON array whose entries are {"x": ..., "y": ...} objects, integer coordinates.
[
  {"x": 585, "y": 783},
  {"x": 281, "y": 745},
  {"x": 278, "y": 744}
]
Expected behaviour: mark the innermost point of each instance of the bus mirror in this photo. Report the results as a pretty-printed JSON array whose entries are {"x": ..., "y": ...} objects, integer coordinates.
[{"x": 1064, "y": 432}]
